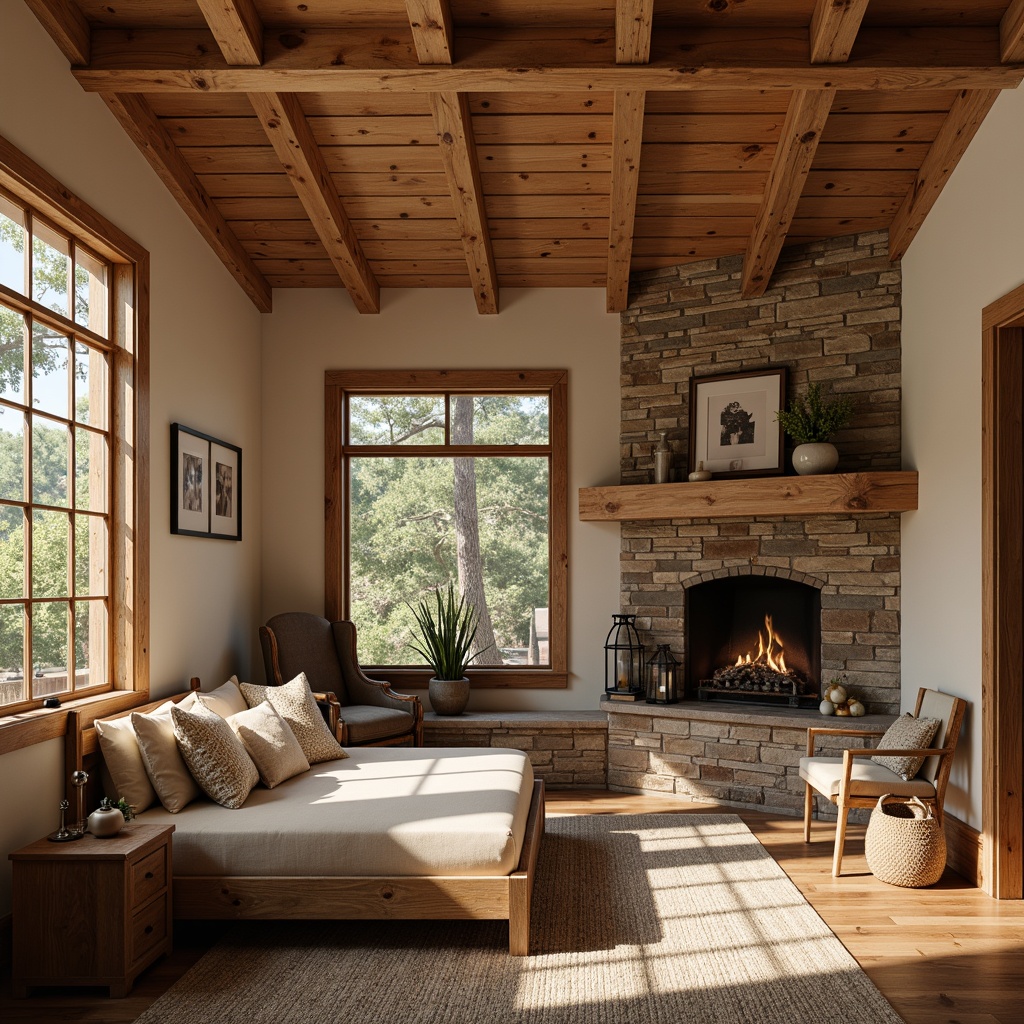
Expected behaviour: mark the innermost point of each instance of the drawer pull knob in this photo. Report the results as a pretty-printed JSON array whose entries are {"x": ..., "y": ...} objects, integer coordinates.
[
  {"x": 148, "y": 874},
  {"x": 148, "y": 929}
]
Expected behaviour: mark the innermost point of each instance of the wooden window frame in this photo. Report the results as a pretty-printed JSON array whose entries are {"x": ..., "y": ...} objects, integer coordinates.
[
  {"x": 127, "y": 345},
  {"x": 338, "y": 384}
]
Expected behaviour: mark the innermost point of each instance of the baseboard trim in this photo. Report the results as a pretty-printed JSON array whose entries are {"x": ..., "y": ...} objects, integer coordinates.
[{"x": 963, "y": 846}]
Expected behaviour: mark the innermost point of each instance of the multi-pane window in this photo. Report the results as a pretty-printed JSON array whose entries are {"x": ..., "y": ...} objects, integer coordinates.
[
  {"x": 57, "y": 344},
  {"x": 450, "y": 477}
]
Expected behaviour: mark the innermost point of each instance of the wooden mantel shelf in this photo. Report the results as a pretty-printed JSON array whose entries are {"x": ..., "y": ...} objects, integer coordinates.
[{"x": 834, "y": 494}]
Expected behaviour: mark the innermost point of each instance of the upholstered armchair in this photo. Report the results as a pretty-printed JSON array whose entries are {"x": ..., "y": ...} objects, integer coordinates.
[
  {"x": 366, "y": 712},
  {"x": 854, "y": 780}
]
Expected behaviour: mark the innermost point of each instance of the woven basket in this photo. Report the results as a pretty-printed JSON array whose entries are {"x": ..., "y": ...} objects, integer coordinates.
[{"x": 905, "y": 844}]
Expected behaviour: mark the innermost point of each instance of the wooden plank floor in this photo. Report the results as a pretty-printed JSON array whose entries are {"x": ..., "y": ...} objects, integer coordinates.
[{"x": 945, "y": 955}]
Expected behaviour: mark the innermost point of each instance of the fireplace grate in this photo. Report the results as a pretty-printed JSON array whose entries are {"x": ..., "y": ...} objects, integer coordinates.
[{"x": 759, "y": 697}]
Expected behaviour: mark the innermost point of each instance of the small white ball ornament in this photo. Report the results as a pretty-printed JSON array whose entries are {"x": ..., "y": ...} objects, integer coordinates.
[
  {"x": 856, "y": 709},
  {"x": 826, "y": 707},
  {"x": 836, "y": 694}
]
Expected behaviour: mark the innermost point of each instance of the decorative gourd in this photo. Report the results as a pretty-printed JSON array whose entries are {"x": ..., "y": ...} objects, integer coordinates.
[
  {"x": 836, "y": 694},
  {"x": 842, "y": 711},
  {"x": 856, "y": 708},
  {"x": 826, "y": 707}
]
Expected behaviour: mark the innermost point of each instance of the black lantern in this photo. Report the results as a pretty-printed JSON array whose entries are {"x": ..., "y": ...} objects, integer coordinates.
[
  {"x": 623, "y": 660},
  {"x": 663, "y": 677}
]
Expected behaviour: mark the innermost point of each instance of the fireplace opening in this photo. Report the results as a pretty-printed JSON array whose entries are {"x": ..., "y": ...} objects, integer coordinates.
[{"x": 753, "y": 640}]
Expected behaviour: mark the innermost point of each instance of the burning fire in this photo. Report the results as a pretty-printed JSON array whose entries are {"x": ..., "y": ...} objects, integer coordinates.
[{"x": 769, "y": 650}]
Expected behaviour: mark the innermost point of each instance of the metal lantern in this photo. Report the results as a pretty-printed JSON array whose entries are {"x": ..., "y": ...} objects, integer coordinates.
[
  {"x": 663, "y": 677},
  {"x": 623, "y": 660}
]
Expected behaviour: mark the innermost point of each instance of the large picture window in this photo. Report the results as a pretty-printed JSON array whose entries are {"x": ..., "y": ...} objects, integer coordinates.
[
  {"x": 69, "y": 384},
  {"x": 455, "y": 476}
]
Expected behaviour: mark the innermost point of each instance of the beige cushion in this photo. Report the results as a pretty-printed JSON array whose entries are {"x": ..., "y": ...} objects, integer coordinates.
[
  {"x": 382, "y": 811},
  {"x": 226, "y": 700},
  {"x": 906, "y": 733},
  {"x": 297, "y": 705},
  {"x": 270, "y": 742},
  {"x": 165, "y": 766},
  {"x": 123, "y": 761},
  {"x": 214, "y": 755},
  {"x": 866, "y": 779}
]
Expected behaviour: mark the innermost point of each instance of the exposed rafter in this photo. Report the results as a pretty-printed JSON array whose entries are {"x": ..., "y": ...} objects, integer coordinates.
[
  {"x": 834, "y": 28},
  {"x": 455, "y": 141},
  {"x": 236, "y": 26},
  {"x": 1011, "y": 32},
  {"x": 67, "y": 26},
  {"x": 149, "y": 135},
  {"x": 961, "y": 124},
  {"x": 627, "y": 139},
  {"x": 187, "y": 60},
  {"x": 633, "y": 22},
  {"x": 431, "y": 24},
  {"x": 289, "y": 133},
  {"x": 801, "y": 133}
]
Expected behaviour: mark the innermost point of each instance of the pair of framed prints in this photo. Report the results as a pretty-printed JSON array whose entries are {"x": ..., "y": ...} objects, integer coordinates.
[{"x": 206, "y": 485}]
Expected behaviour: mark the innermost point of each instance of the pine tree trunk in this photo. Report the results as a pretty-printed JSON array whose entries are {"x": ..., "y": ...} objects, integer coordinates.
[{"x": 467, "y": 534}]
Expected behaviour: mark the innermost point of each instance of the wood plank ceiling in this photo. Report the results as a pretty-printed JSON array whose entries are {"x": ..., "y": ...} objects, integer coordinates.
[{"x": 514, "y": 143}]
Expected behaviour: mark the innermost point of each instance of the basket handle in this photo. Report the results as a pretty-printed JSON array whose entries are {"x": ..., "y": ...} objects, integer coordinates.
[{"x": 914, "y": 801}]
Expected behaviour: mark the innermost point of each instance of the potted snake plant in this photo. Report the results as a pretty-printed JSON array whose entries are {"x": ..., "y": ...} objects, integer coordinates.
[{"x": 446, "y": 629}]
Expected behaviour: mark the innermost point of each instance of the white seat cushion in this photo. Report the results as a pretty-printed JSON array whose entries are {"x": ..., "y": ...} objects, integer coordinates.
[{"x": 868, "y": 778}]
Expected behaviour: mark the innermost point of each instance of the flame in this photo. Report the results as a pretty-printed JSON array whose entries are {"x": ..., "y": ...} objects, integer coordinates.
[{"x": 769, "y": 650}]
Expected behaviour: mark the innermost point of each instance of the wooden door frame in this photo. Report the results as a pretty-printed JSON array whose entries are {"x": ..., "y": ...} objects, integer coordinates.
[{"x": 1002, "y": 704}]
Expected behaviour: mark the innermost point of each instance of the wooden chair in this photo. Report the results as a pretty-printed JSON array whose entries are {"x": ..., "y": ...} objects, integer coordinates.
[
  {"x": 362, "y": 711},
  {"x": 854, "y": 780}
]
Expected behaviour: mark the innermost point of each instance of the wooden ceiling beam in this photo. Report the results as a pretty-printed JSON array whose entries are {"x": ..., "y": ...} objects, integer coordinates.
[
  {"x": 431, "y": 24},
  {"x": 188, "y": 60},
  {"x": 801, "y": 133},
  {"x": 627, "y": 138},
  {"x": 1011, "y": 33},
  {"x": 834, "y": 28},
  {"x": 145, "y": 130},
  {"x": 454, "y": 126},
  {"x": 633, "y": 22},
  {"x": 291, "y": 137},
  {"x": 67, "y": 26},
  {"x": 955, "y": 135},
  {"x": 237, "y": 27}
]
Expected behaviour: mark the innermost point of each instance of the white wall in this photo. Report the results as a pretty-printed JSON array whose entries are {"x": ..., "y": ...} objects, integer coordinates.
[
  {"x": 205, "y": 372},
  {"x": 968, "y": 254},
  {"x": 312, "y": 331}
]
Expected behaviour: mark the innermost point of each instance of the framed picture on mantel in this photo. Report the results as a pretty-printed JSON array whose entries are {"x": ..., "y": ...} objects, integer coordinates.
[{"x": 733, "y": 429}]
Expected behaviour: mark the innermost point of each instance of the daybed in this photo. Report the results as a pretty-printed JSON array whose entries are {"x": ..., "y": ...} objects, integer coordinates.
[{"x": 385, "y": 833}]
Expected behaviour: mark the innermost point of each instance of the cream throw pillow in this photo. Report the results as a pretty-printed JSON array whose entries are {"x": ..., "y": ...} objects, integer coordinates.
[
  {"x": 165, "y": 766},
  {"x": 123, "y": 761},
  {"x": 907, "y": 733},
  {"x": 297, "y": 706},
  {"x": 214, "y": 755},
  {"x": 270, "y": 742},
  {"x": 226, "y": 700}
]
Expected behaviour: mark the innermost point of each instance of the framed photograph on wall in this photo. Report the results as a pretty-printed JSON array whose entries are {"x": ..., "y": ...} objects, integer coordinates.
[
  {"x": 226, "y": 485},
  {"x": 206, "y": 485},
  {"x": 733, "y": 429}
]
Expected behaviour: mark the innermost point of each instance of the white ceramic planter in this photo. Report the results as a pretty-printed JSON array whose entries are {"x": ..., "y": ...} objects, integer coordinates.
[
  {"x": 448, "y": 696},
  {"x": 814, "y": 459}
]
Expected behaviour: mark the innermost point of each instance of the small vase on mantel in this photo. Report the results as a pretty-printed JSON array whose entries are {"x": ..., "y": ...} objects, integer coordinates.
[
  {"x": 815, "y": 458},
  {"x": 662, "y": 459}
]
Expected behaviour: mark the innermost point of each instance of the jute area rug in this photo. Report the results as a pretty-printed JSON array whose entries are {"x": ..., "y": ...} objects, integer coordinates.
[{"x": 637, "y": 919}]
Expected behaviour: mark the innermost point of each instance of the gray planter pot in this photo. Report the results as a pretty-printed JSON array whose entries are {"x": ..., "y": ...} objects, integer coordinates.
[
  {"x": 814, "y": 459},
  {"x": 448, "y": 696}
]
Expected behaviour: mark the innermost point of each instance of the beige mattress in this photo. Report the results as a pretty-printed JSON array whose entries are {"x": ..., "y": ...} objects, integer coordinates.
[{"x": 381, "y": 811}]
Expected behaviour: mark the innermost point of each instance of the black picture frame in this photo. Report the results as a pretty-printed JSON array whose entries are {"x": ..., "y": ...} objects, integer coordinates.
[
  {"x": 206, "y": 485},
  {"x": 746, "y": 401}
]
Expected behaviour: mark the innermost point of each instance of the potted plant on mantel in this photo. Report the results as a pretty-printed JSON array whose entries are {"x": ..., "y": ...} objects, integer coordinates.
[
  {"x": 447, "y": 628},
  {"x": 812, "y": 423}
]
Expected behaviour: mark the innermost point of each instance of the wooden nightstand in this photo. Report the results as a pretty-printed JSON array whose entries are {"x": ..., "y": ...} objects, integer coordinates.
[{"x": 92, "y": 912}]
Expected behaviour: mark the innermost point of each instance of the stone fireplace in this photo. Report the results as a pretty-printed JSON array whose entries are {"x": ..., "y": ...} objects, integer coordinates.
[{"x": 831, "y": 315}]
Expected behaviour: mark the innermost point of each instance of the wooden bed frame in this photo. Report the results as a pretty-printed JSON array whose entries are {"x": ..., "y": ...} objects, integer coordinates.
[{"x": 460, "y": 897}]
